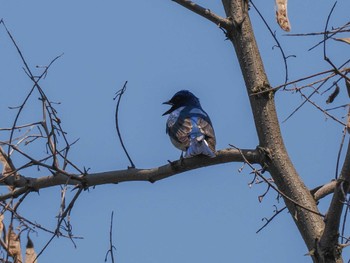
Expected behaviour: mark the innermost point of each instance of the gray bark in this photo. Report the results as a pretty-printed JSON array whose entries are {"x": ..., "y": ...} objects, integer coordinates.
[{"x": 277, "y": 161}]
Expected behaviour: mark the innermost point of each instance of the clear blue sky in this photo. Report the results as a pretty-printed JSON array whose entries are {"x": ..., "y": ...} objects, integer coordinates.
[{"x": 207, "y": 215}]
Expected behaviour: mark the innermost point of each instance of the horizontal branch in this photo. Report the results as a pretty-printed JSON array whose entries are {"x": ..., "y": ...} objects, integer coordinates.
[
  {"x": 206, "y": 13},
  {"x": 151, "y": 175}
]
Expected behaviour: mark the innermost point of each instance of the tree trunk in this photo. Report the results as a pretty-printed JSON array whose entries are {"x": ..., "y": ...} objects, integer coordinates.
[{"x": 277, "y": 161}]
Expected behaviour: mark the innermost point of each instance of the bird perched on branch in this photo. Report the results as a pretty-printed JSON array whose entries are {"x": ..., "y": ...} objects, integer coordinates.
[{"x": 189, "y": 126}]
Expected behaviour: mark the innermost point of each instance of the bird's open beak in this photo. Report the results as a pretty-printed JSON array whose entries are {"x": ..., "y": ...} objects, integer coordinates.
[
  {"x": 170, "y": 110},
  {"x": 168, "y": 103}
]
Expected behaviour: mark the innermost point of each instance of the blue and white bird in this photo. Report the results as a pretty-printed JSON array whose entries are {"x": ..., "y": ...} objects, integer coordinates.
[{"x": 189, "y": 126}]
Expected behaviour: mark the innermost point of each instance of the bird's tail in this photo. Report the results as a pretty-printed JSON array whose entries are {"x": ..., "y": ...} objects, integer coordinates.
[{"x": 198, "y": 145}]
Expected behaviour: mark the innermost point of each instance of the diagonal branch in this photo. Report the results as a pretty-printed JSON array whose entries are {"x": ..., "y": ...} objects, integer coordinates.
[
  {"x": 286, "y": 197},
  {"x": 205, "y": 12},
  {"x": 151, "y": 175},
  {"x": 60, "y": 221},
  {"x": 323, "y": 190},
  {"x": 307, "y": 98},
  {"x": 278, "y": 162},
  {"x": 330, "y": 236},
  {"x": 278, "y": 44},
  {"x": 325, "y": 57},
  {"x": 268, "y": 220}
]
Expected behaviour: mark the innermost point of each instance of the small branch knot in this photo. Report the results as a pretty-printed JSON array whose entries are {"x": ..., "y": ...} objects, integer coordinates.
[
  {"x": 264, "y": 89},
  {"x": 266, "y": 157}
]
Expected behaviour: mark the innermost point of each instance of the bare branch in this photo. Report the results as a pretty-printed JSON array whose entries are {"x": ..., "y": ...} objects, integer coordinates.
[
  {"x": 268, "y": 220},
  {"x": 278, "y": 44},
  {"x": 60, "y": 221},
  {"x": 150, "y": 175},
  {"x": 205, "y": 12},
  {"x": 119, "y": 95},
  {"x": 303, "y": 79},
  {"x": 36, "y": 225},
  {"x": 329, "y": 238},
  {"x": 277, "y": 160},
  {"x": 307, "y": 98},
  {"x": 111, "y": 246},
  {"x": 270, "y": 184},
  {"x": 324, "y": 190},
  {"x": 333, "y": 31},
  {"x": 326, "y": 37}
]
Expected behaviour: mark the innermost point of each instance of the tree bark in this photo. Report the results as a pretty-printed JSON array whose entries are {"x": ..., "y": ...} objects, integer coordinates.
[
  {"x": 328, "y": 246},
  {"x": 277, "y": 161},
  {"x": 24, "y": 184}
]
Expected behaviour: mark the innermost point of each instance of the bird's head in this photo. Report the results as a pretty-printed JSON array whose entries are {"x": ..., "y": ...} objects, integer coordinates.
[{"x": 180, "y": 99}]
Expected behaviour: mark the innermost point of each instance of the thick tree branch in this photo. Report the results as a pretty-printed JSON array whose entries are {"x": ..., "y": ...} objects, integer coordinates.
[
  {"x": 218, "y": 20},
  {"x": 150, "y": 175},
  {"x": 329, "y": 239},
  {"x": 277, "y": 161}
]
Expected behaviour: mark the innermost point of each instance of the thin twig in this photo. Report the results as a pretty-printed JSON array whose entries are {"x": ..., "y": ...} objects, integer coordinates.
[
  {"x": 275, "y": 188},
  {"x": 34, "y": 79},
  {"x": 111, "y": 246},
  {"x": 50, "y": 122},
  {"x": 306, "y": 100},
  {"x": 325, "y": 38},
  {"x": 322, "y": 110},
  {"x": 21, "y": 126},
  {"x": 334, "y": 33},
  {"x": 268, "y": 220},
  {"x": 62, "y": 217},
  {"x": 119, "y": 95},
  {"x": 302, "y": 79},
  {"x": 35, "y": 225},
  {"x": 278, "y": 44}
]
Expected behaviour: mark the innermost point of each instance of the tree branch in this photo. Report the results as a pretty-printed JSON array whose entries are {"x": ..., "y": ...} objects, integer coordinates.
[
  {"x": 111, "y": 246},
  {"x": 277, "y": 161},
  {"x": 329, "y": 239},
  {"x": 119, "y": 95},
  {"x": 151, "y": 175},
  {"x": 324, "y": 190},
  {"x": 206, "y": 13}
]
